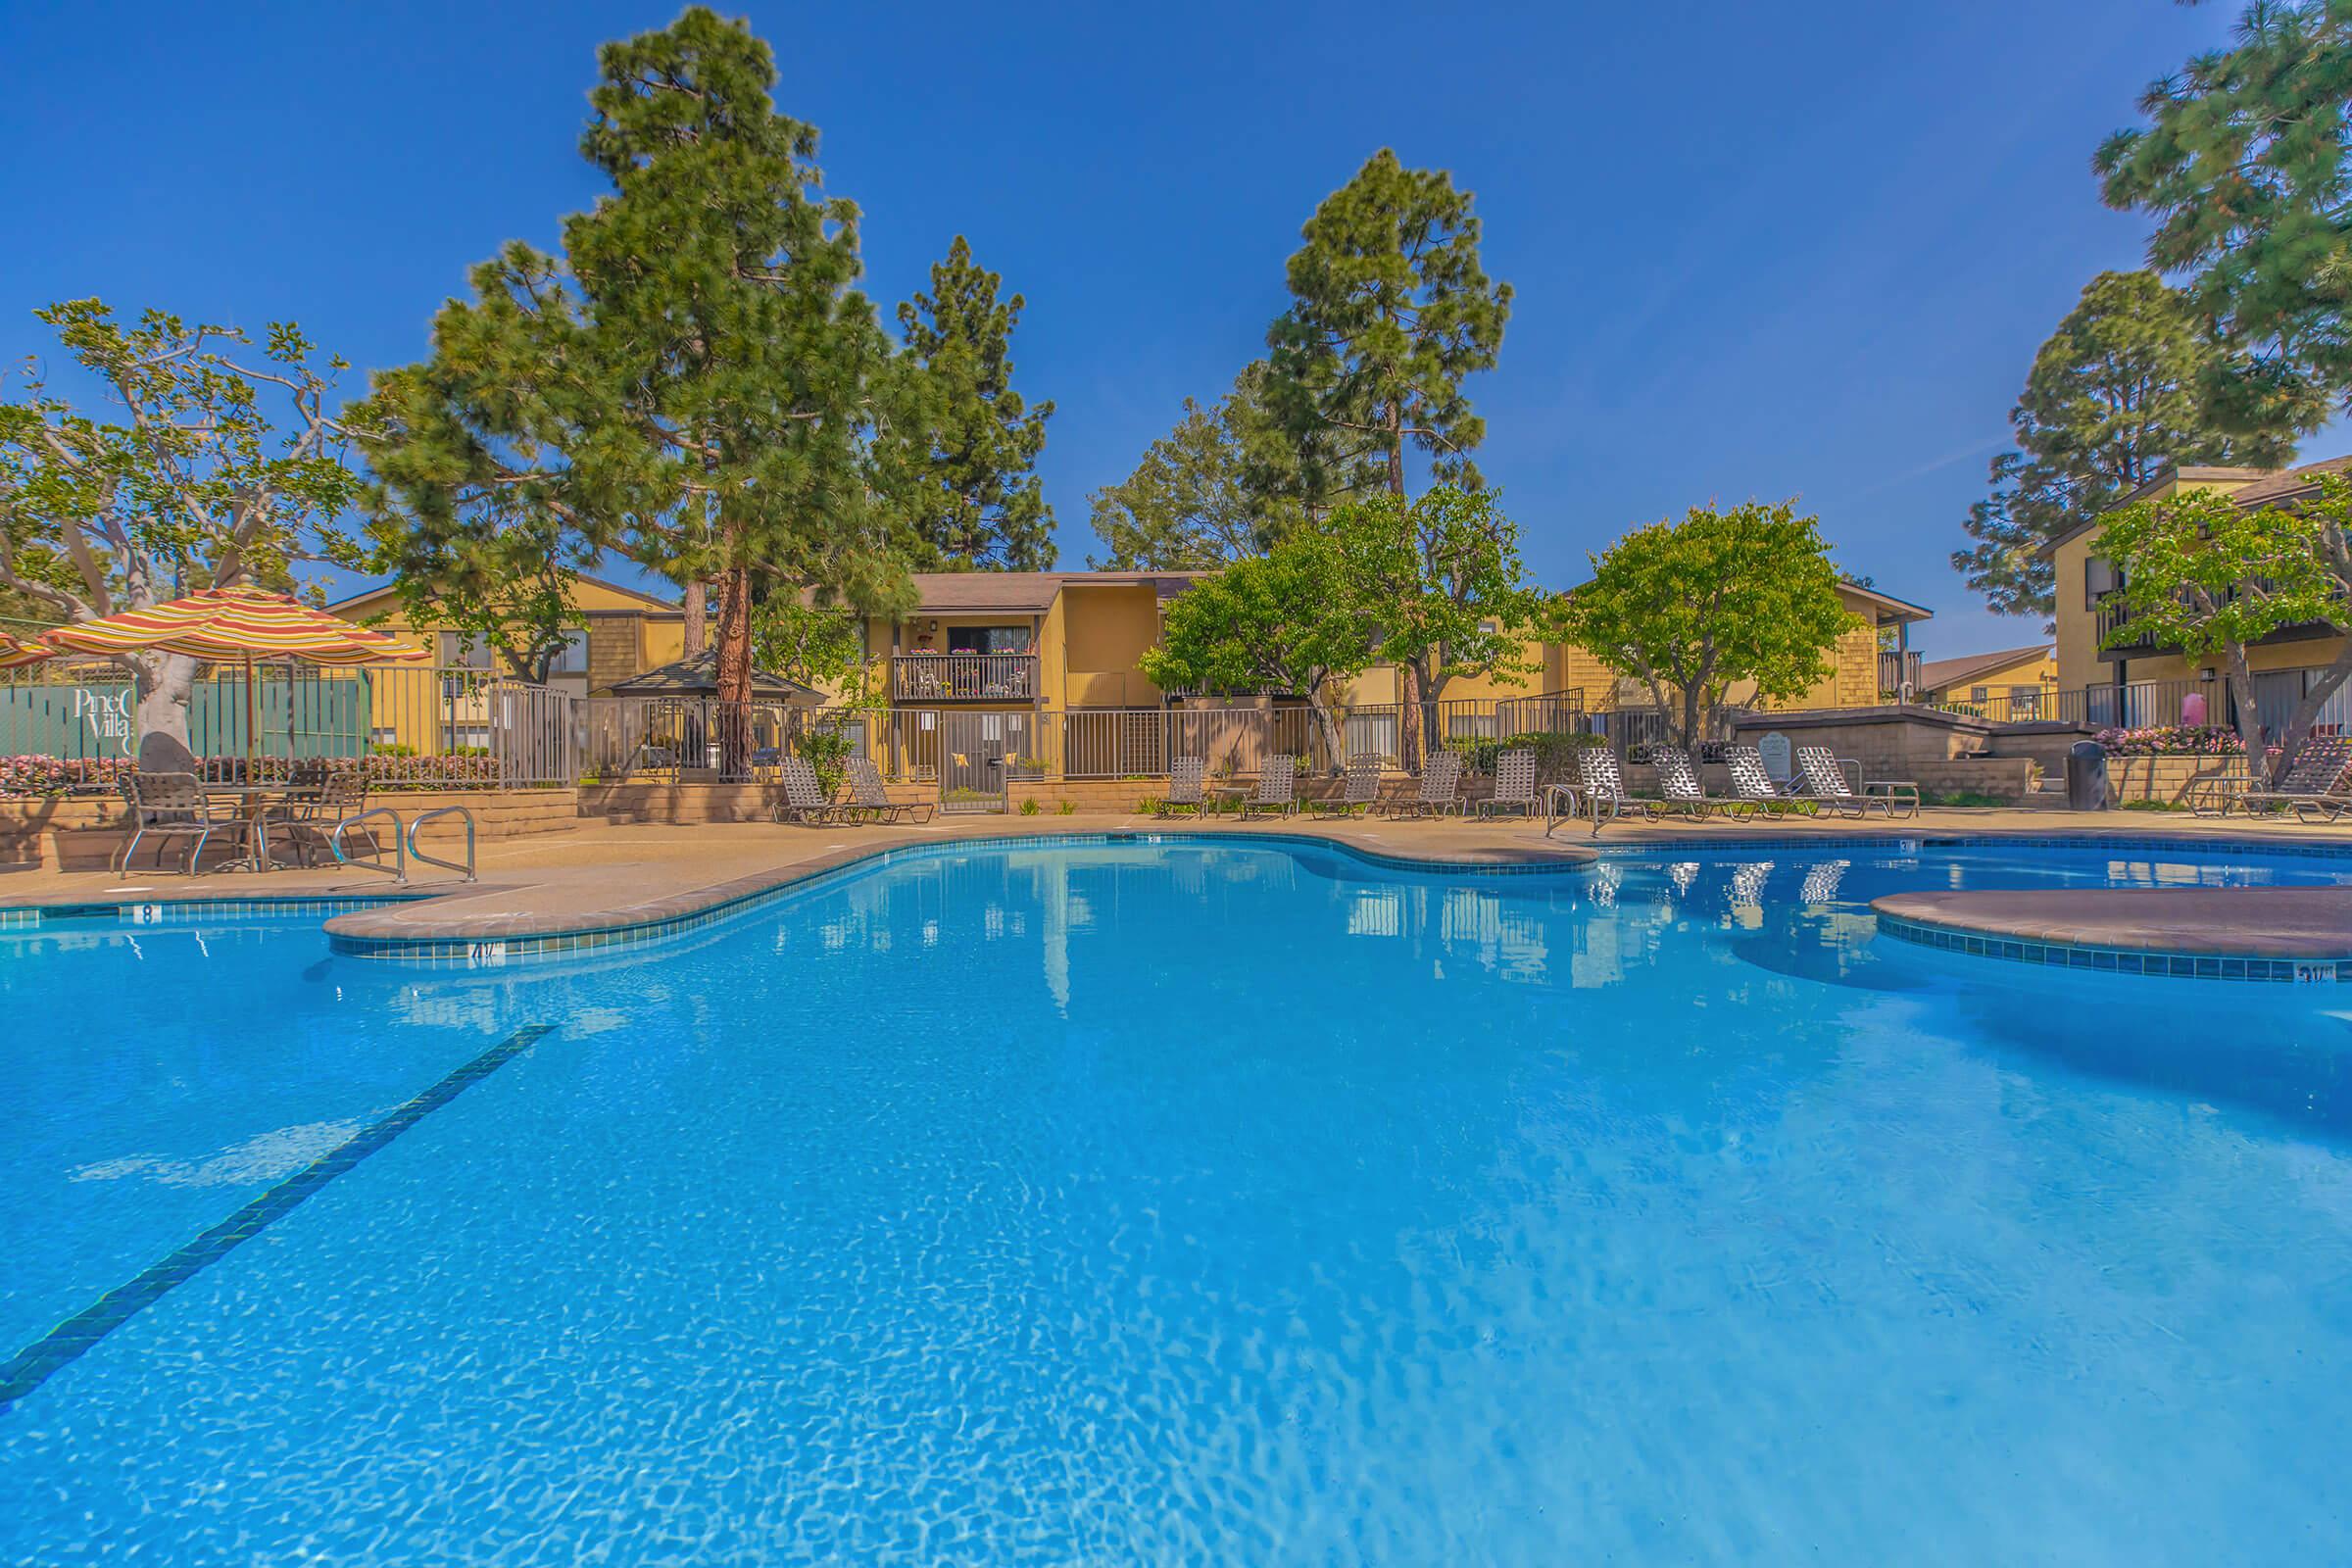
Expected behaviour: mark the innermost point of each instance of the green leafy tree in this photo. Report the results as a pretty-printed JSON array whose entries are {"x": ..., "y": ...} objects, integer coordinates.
[
  {"x": 1442, "y": 578},
  {"x": 1693, "y": 609},
  {"x": 817, "y": 645},
  {"x": 2243, "y": 165},
  {"x": 222, "y": 467},
  {"x": 2209, "y": 577},
  {"x": 696, "y": 381},
  {"x": 1390, "y": 312},
  {"x": 1219, "y": 488},
  {"x": 2115, "y": 395},
  {"x": 1270, "y": 623},
  {"x": 975, "y": 498}
]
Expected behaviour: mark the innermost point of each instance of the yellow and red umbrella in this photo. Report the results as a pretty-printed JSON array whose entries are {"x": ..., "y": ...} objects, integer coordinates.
[
  {"x": 225, "y": 624},
  {"x": 15, "y": 653}
]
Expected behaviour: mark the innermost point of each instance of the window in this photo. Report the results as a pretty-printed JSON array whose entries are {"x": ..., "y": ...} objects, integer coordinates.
[
  {"x": 1977, "y": 694},
  {"x": 988, "y": 639},
  {"x": 1490, "y": 627},
  {"x": 458, "y": 654},
  {"x": 573, "y": 660},
  {"x": 2098, "y": 577}
]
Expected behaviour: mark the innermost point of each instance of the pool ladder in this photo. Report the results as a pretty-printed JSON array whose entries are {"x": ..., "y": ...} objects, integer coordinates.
[{"x": 405, "y": 846}]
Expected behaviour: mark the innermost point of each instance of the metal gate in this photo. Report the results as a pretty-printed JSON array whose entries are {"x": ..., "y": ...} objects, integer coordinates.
[{"x": 976, "y": 753}]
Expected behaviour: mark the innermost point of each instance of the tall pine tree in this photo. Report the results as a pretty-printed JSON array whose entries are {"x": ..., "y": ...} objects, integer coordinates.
[
  {"x": 975, "y": 500},
  {"x": 693, "y": 382},
  {"x": 1390, "y": 310},
  {"x": 2118, "y": 392}
]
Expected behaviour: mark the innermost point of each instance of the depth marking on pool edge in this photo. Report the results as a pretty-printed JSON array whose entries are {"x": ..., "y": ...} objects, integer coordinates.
[{"x": 65, "y": 1343}]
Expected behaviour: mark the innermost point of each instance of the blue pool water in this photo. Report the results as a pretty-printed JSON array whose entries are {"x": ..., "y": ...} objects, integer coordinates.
[{"x": 1190, "y": 1202}]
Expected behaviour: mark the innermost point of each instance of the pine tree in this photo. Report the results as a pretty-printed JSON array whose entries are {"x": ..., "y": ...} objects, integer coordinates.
[
  {"x": 2118, "y": 392},
  {"x": 976, "y": 501},
  {"x": 1390, "y": 310},
  {"x": 694, "y": 381}
]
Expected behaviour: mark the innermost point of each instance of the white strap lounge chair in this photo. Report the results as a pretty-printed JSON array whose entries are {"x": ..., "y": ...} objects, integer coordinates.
[
  {"x": 1825, "y": 782},
  {"x": 1514, "y": 785},
  {"x": 1276, "y": 792}
]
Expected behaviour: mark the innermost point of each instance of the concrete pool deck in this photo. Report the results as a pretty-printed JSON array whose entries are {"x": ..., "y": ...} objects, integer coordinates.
[{"x": 603, "y": 877}]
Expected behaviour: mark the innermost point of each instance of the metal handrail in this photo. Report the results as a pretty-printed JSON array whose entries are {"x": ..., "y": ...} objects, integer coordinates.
[
  {"x": 398, "y": 870},
  {"x": 418, "y": 854}
]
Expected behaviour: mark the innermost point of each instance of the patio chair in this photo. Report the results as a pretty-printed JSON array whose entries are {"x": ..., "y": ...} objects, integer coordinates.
[
  {"x": 1753, "y": 785},
  {"x": 868, "y": 795},
  {"x": 1277, "y": 784},
  {"x": 1602, "y": 783},
  {"x": 1439, "y": 789},
  {"x": 174, "y": 805},
  {"x": 307, "y": 820},
  {"x": 2311, "y": 786},
  {"x": 800, "y": 799},
  {"x": 1514, "y": 785},
  {"x": 1362, "y": 791},
  {"x": 1679, "y": 788},
  {"x": 1187, "y": 780},
  {"x": 1826, "y": 785}
]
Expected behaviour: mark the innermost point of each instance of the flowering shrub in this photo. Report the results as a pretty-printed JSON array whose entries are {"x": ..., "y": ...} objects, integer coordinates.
[
  {"x": 41, "y": 777},
  {"x": 36, "y": 777},
  {"x": 2171, "y": 740}
]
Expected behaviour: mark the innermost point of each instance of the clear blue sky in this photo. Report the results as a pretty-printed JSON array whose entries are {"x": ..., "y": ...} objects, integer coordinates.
[{"x": 1759, "y": 250}]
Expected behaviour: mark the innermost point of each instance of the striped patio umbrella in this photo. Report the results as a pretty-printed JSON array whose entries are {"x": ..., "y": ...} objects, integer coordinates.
[
  {"x": 225, "y": 624},
  {"x": 15, "y": 653}
]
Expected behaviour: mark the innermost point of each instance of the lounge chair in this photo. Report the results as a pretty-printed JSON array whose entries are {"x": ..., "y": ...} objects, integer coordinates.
[
  {"x": 174, "y": 805},
  {"x": 1753, "y": 787},
  {"x": 1826, "y": 783},
  {"x": 1362, "y": 791},
  {"x": 1440, "y": 790},
  {"x": 1514, "y": 785},
  {"x": 1186, "y": 776},
  {"x": 1277, "y": 787},
  {"x": 1601, "y": 784},
  {"x": 1679, "y": 788},
  {"x": 2310, "y": 787},
  {"x": 802, "y": 799},
  {"x": 869, "y": 796}
]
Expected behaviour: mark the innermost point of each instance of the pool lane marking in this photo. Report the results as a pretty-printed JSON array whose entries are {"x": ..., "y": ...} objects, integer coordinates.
[{"x": 67, "y": 1342}]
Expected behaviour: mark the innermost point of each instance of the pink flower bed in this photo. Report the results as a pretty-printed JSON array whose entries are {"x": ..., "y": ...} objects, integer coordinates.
[{"x": 2173, "y": 740}]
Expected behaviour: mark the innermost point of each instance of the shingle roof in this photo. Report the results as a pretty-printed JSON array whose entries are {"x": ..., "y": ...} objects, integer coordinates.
[{"x": 1937, "y": 673}]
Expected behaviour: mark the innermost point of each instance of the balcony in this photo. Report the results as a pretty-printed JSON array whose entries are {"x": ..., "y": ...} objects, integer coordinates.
[
  {"x": 964, "y": 677},
  {"x": 2110, "y": 612}
]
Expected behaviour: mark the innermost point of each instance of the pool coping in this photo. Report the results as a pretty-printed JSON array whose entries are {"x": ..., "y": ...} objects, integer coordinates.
[
  {"x": 2293, "y": 934},
  {"x": 499, "y": 939}
]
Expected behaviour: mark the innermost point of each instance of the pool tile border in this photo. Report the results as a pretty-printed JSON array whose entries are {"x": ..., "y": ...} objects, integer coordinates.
[{"x": 2139, "y": 961}]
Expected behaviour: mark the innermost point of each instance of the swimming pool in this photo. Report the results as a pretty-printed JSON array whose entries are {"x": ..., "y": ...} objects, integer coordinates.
[{"x": 1187, "y": 1201}]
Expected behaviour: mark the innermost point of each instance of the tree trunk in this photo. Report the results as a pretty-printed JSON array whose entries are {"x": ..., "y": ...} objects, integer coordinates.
[
  {"x": 1335, "y": 743},
  {"x": 734, "y": 718},
  {"x": 163, "y": 683},
  {"x": 695, "y": 616},
  {"x": 2249, "y": 716},
  {"x": 1693, "y": 696}
]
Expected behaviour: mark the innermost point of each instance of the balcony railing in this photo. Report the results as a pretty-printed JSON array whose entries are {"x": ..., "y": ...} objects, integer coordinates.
[
  {"x": 2111, "y": 613},
  {"x": 1897, "y": 669},
  {"x": 964, "y": 677}
]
